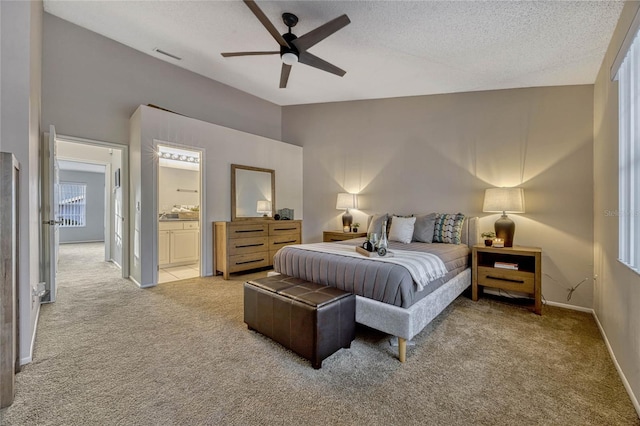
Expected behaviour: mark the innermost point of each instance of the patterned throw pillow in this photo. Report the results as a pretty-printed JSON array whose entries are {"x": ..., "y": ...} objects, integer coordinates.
[{"x": 448, "y": 228}]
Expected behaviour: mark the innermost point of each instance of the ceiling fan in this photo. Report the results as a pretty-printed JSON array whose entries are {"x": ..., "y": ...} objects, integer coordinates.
[{"x": 292, "y": 48}]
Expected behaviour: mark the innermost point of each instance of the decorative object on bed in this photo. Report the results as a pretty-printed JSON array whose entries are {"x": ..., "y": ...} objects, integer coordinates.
[
  {"x": 346, "y": 201},
  {"x": 372, "y": 253},
  {"x": 387, "y": 297},
  {"x": 488, "y": 238},
  {"x": 375, "y": 225},
  {"x": 402, "y": 229},
  {"x": 448, "y": 228},
  {"x": 423, "y": 228},
  {"x": 504, "y": 200}
]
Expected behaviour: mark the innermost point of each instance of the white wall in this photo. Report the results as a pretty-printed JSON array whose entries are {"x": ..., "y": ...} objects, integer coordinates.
[
  {"x": 617, "y": 288},
  {"x": 222, "y": 147},
  {"x": 92, "y": 85},
  {"x": 21, "y": 53},
  {"x": 439, "y": 153},
  {"x": 170, "y": 180}
]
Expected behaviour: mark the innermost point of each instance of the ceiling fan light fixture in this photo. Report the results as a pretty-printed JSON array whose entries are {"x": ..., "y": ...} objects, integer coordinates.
[{"x": 289, "y": 58}]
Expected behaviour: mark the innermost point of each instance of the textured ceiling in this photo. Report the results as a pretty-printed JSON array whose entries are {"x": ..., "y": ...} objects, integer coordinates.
[{"x": 390, "y": 49}]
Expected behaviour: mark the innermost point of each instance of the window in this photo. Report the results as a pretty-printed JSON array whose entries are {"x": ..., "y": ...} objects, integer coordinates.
[
  {"x": 628, "y": 76},
  {"x": 72, "y": 204}
]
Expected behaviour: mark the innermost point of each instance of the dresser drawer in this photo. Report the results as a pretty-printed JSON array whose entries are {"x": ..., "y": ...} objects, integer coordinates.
[
  {"x": 275, "y": 243},
  {"x": 191, "y": 225},
  {"x": 284, "y": 227},
  {"x": 506, "y": 279},
  {"x": 248, "y": 245},
  {"x": 239, "y": 230},
  {"x": 242, "y": 262}
]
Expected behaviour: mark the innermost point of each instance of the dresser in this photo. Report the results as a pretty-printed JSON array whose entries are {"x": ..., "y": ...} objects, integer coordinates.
[{"x": 244, "y": 245}]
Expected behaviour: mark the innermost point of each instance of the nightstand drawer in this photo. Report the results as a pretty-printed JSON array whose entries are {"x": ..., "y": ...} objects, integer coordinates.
[{"x": 506, "y": 279}]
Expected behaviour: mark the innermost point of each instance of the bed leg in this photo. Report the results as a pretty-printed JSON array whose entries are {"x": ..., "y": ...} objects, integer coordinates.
[{"x": 402, "y": 349}]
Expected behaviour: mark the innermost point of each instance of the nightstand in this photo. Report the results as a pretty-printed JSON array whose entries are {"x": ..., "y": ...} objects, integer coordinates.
[
  {"x": 521, "y": 271},
  {"x": 330, "y": 236}
]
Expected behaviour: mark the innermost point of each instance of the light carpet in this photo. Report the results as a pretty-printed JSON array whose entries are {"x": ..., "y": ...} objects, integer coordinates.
[{"x": 110, "y": 353}]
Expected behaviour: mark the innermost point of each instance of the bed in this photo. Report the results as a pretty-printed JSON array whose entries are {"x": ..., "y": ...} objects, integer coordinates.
[{"x": 387, "y": 296}]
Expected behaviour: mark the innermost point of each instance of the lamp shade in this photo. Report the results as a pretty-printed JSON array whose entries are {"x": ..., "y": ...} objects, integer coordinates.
[
  {"x": 264, "y": 207},
  {"x": 346, "y": 201},
  {"x": 508, "y": 200}
]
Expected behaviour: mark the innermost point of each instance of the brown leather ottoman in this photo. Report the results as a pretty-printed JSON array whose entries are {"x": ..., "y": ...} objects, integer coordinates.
[{"x": 312, "y": 320}]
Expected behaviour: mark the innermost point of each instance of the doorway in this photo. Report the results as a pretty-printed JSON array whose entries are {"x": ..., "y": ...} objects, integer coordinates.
[
  {"x": 179, "y": 220},
  {"x": 88, "y": 202}
]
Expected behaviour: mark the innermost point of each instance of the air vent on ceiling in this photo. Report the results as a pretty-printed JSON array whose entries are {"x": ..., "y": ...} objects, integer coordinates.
[{"x": 162, "y": 52}]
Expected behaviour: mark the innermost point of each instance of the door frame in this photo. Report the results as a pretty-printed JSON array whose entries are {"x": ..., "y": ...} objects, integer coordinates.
[
  {"x": 203, "y": 202},
  {"x": 124, "y": 184}
]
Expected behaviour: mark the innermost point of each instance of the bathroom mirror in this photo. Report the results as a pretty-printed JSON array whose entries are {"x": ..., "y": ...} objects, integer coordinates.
[{"x": 253, "y": 193}]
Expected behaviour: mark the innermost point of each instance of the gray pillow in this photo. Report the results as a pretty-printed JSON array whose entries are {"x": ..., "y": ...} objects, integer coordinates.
[
  {"x": 375, "y": 227},
  {"x": 423, "y": 228}
]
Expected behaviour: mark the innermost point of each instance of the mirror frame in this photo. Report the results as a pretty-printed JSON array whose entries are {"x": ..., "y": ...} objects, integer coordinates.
[{"x": 235, "y": 167}]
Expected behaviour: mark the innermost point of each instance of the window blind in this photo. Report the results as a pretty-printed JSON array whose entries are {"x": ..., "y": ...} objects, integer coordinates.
[
  {"x": 72, "y": 204},
  {"x": 629, "y": 156}
]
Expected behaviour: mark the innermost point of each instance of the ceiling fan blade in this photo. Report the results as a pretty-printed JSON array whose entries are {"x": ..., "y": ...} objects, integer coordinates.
[
  {"x": 311, "y": 38},
  {"x": 313, "y": 61},
  {"x": 284, "y": 75},
  {"x": 228, "y": 54},
  {"x": 266, "y": 22}
]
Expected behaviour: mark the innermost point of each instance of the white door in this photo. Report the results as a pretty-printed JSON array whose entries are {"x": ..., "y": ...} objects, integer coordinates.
[
  {"x": 163, "y": 247},
  {"x": 51, "y": 221}
]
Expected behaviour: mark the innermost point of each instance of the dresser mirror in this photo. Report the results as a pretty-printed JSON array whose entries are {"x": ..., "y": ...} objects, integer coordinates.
[{"x": 253, "y": 193}]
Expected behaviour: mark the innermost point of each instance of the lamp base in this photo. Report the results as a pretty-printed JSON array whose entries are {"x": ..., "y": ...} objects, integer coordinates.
[
  {"x": 347, "y": 220},
  {"x": 505, "y": 228}
]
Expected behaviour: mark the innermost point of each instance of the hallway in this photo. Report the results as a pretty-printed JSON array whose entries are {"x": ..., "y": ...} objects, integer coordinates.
[{"x": 83, "y": 265}]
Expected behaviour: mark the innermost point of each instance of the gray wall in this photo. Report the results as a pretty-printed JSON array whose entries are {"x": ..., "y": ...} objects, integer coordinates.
[
  {"x": 617, "y": 289},
  {"x": 438, "y": 153},
  {"x": 21, "y": 53},
  {"x": 92, "y": 85},
  {"x": 94, "y": 229}
]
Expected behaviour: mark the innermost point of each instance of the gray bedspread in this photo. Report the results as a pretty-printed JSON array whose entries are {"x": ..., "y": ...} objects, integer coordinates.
[{"x": 381, "y": 281}]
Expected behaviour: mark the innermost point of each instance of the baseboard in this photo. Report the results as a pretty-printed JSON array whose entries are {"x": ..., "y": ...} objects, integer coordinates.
[
  {"x": 27, "y": 360},
  {"x": 140, "y": 285},
  {"x": 572, "y": 307},
  {"x": 82, "y": 242},
  {"x": 625, "y": 382}
]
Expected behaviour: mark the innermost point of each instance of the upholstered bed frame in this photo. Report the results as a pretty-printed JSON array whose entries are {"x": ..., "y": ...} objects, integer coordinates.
[{"x": 405, "y": 323}]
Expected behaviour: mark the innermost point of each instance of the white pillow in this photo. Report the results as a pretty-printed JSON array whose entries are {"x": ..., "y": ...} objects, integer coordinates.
[{"x": 402, "y": 229}]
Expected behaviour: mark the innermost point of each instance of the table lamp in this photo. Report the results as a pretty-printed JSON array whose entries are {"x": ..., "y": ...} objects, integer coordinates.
[
  {"x": 345, "y": 202},
  {"x": 504, "y": 200}
]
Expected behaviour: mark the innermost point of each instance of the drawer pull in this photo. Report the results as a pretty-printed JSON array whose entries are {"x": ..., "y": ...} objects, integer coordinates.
[
  {"x": 285, "y": 229},
  {"x": 249, "y": 261},
  {"x": 284, "y": 242},
  {"x": 250, "y": 245},
  {"x": 248, "y": 230},
  {"x": 511, "y": 280}
]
